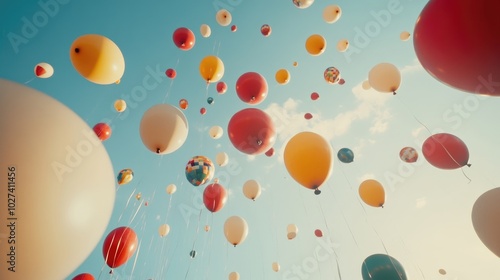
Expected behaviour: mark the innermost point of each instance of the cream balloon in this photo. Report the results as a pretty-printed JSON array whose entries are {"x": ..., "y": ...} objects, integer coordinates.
[
  {"x": 235, "y": 230},
  {"x": 343, "y": 45},
  {"x": 216, "y": 132},
  {"x": 385, "y": 77},
  {"x": 171, "y": 189},
  {"x": 223, "y": 17},
  {"x": 366, "y": 85},
  {"x": 44, "y": 70},
  {"x": 332, "y": 13},
  {"x": 222, "y": 159},
  {"x": 163, "y": 129},
  {"x": 205, "y": 30},
  {"x": 485, "y": 213},
  {"x": 292, "y": 231},
  {"x": 163, "y": 230},
  {"x": 61, "y": 180},
  {"x": 120, "y": 105},
  {"x": 251, "y": 189},
  {"x": 404, "y": 36},
  {"x": 276, "y": 266},
  {"x": 234, "y": 276}
]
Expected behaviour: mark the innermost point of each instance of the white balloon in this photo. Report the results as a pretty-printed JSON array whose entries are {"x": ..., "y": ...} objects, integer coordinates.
[
  {"x": 252, "y": 189},
  {"x": 332, "y": 13},
  {"x": 163, "y": 230},
  {"x": 61, "y": 188},
  {"x": 223, "y": 17},
  {"x": 235, "y": 230},
  {"x": 343, "y": 45},
  {"x": 385, "y": 77},
  {"x": 171, "y": 189},
  {"x": 222, "y": 159},
  {"x": 292, "y": 231},
  {"x": 45, "y": 70},
  {"x": 216, "y": 132},
  {"x": 205, "y": 30},
  {"x": 234, "y": 276},
  {"x": 302, "y": 4},
  {"x": 276, "y": 266}
]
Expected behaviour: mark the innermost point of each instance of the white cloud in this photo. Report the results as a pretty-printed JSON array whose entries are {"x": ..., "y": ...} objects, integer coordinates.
[
  {"x": 421, "y": 202},
  {"x": 416, "y": 66}
]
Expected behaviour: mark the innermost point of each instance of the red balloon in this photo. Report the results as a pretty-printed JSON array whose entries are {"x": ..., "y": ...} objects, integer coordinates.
[
  {"x": 341, "y": 81},
  {"x": 214, "y": 197},
  {"x": 445, "y": 151},
  {"x": 84, "y": 276},
  {"x": 318, "y": 233},
  {"x": 103, "y": 131},
  {"x": 265, "y": 30},
  {"x": 456, "y": 42},
  {"x": 308, "y": 116},
  {"x": 119, "y": 246},
  {"x": 270, "y": 152},
  {"x": 251, "y": 131},
  {"x": 184, "y": 38},
  {"x": 314, "y": 96},
  {"x": 221, "y": 87},
  {"x": 203, "y": 111},
  {"x": 171, "y": 73},
  {"x": 234, "y": 28},
  {"x": 251, "y": 88}
]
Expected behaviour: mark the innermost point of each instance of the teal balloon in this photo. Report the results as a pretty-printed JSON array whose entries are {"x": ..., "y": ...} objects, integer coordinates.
[
  {"x": 345, "y": 155},
  {"x": 210, "y": 100},
  {"x": 382, "y": 267},
  {"x": 199, "y": 170}
]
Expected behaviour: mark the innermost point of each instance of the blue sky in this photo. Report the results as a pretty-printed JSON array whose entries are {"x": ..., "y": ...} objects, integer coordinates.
[{"x": 426, "y": 222}]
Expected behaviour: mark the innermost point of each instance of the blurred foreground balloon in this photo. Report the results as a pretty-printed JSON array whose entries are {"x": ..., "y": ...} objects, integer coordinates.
[
  {"x": 235, "y": 230},
  {"x": 372, "y": 193},
  {"x": 44, "y": 70},
  {"x": 199, "y": 170},
  {"x": 445, "y": 151},
  {"x": 385, "y": 77},
  {"x": 485, "y": 213},
  {"x": 97, "y": 59},
  {"x": 251, "y": 131},
  {"x": 67, "y": 189},
  {"x": 382, "y": 267},
  {"x": 163, "y": 129},
  {"x": 119, "y": 246}
]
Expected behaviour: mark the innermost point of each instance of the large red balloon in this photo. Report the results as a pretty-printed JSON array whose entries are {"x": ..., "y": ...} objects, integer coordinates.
[
  {"x": 119, "y": 246},
  {"x": 251, "y": 131},
  {"x": 251, "y": 88},
  {"x": 84, "y": 276},
  {"x": 214, "y": 197},
  {"x": 103, "y": 131},
  {"x": 445, "y": 151},
  {"x": 184, "y": 38},
  {"x": 457, "y": 42}
]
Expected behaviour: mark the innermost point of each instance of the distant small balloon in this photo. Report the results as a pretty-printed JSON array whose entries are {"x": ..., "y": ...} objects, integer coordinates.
[
  {"x": 331, "y": 75},
  {"x": 120, "y": 105},
  {"x": 234, "y": 28},
  {"x": 103, "y": 131},
  {"x": 171, "y": 189},
  {"x": 223, "y": 17},
  {"x": 442, "y": 271},
  {"x": 404, "y": 36},
  {"x": 44, "y": 70},
  {"x": 205, "y": 30},
  {"x": 210, "y": 100},
  {"x": 171, "y": 73},
  {"x": 203, "y": 111},
  {"x": 270, "y": 152},
  {"x": 308, "y": 116},
  {"x": 295, "y": 64},
  {"x": 366, "y": 85},
  {"x": 343, "y": 45},
  {"x": 341, "y": 81},
  {"x": 138, "y": 196},
  {"x": 207, "y": 228},
  {"x": 192, "y": 254},
  {"x": 408, "y": 154},
  {"x": 221, "y": 87},
  {"x": 183, "y": 104},
  {"x": 314, "y": 96},
  {"x": 302, "y": 4},
  {"x": 265, "y": 30},
  {"x": 125, "y": 176},
  {"x": 318, "y": 233}
]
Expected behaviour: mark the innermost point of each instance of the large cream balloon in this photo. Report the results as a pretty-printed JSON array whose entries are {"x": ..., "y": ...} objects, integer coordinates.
[
  {"x": 485, "y": 213},
  {"x": 251, "y": 189},
  {"x": 59, "y": 186},
  {"x": 385, "y": 77},
  {"x": 222, "y": 159},
  {"x": 235, "y": 230},
  {"x": 163, "y": 128}
]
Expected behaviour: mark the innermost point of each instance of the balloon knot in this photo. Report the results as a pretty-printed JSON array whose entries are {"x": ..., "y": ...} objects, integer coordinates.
[
  {"x": 158, "y": 150},
  {"x": 394, "y": 93},
  {"x": 381, "y": 205},
  {"x": 77, "y": 50},
  {"x": 259, "y": 142},
  {"x": 468, "y": 164},
  {"x": 111, "y": 271},
  {"x": 317, "y": 191}
]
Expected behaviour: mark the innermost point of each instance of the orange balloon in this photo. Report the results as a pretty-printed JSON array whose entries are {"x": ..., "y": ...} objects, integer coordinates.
[{"x": 372, "y": 193}]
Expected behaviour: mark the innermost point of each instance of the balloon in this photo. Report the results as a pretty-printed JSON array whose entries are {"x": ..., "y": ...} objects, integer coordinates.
[
  {"x": 442, "y": 271},
  {"x": 302, "y": 4},
  {"x": 366, "y": 85},
  {"x": 192, "y": 254},
  {"x": 315, "y": 44},
  {"x": 251, "y": 88},
  {"x": 84, "y": 276},
  {"x": 276, "y": 266},
  {"x": 210, "y": 100},
  {"x": 171, "y": 189},
  {"x": 439, "y": 36},
  {"x": 214, "y": 197},
  {"x": 120, "y": 105},
  {"x": 234, "y": 28},
  {"x": 251, "y": 189},
  {"x": 221, "y": 87},
  {"x": 345, "y": 155},
  {"x": 318, "y": 233},
  {"x": 308, "y": 159},
  {"x": 203, "y": 111},
  {"x": 119, "y": 246},
  {"x": 183, "y": 104},
  {"x": 404, "y": 36},
  {"x": 291, "y": 231},
  {"x": 103, "y": 131},
  {"x": 385, "y": 77},
  {"x": 207, "y": 228},
  {"x": 125, "y": 176},
  {"x": 235, "y": 230},
  {"x": 308, "y": 116},
  {"x": 205, "y": 31},
  {"x": 445, "y": 151},
  {"x": 314, "y": 96},
  {"x": 332, "y": 13},
  {"x": 295, "y": 64},
  {"x": 97, "y": 59},
  {"x": 199, "y": 170},
  {"x": 382, "y": 267},
  {"x": 282, "y": 76},
  {"x": 265, "y": 30},
  {"x": 341, "y": 81},
  {"x": 138, "y": 196},
  {"x": 234, "y": 276},
  {"x": 270, "y": 152},
  {"x": 211, "y": 69},
  {"x": 222, "y": 159},
  {"x": 171, "y": 73},
  {"x": 184, "y": 38},
  {"x": 216, "y": 132},
  {"x": 223, "y": 17},
  {"x": 372, "y": 193},
  {"x": 251, "y": 131},
  {"x": 408, "y": 154},
  {"x": 44, "y": 70},
  {"x": 485, "y": 213},
  {"x": 343, "y": 45},
  {"x": 163, "y": 129},
  {"x": 163, "y": 230},
  {"x": 331, "y": 75}
]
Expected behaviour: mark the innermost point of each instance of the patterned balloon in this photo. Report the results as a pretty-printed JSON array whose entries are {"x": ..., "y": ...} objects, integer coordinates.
[
  {"x": 302, "y": 4},
  {"x": 345, "y": 155},
  {"x": 408, "y": 154},
  {"x": 332, "y": 75},
  {"x": 125, "y": 176},
  {"x": 199, "y": 170}
]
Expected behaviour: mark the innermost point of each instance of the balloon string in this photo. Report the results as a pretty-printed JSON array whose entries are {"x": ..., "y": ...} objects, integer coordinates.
[
  {"x": 136, "y": 256},
  {"x": 210, "y": 249},
  {"x": 29, "y": 81},
  {"x": 418, "y": 267},
  {"x": 126, "y": 205},
  {"x": 171, "y": 82}
]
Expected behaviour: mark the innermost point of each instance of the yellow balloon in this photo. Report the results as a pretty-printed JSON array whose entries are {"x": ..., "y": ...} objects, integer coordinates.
[
  {"x": 315, "y": 44},
  {"x": 120, "y": 105},
  {"x": 282, "y": 76},
  {"x": 308, "y": 159},
  {"x": 97, "y": 59},
  {"x": 211, "y": 69},
  {"x": 372, "y": 193}
]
